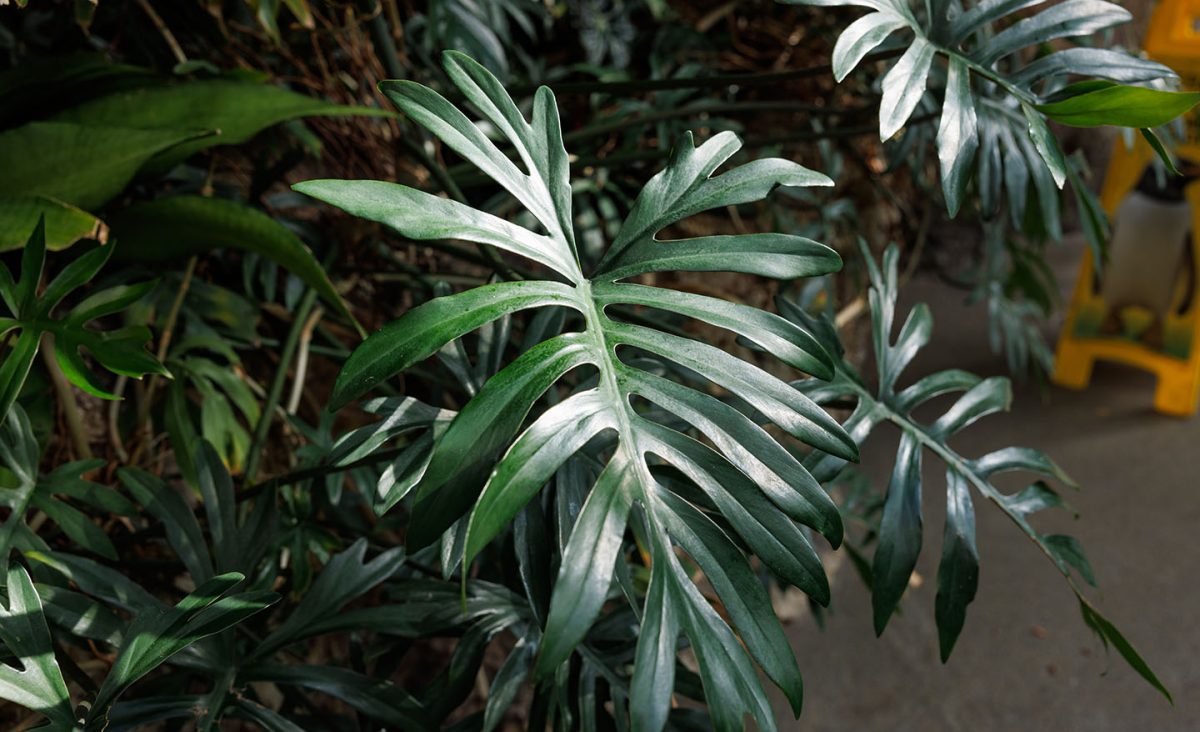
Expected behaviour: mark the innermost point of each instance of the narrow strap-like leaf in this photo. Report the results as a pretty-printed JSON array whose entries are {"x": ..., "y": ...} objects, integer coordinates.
[
  {"x": 779, "y": 402},
  {"x": 724, "y": 666},
  {"x": 531, "y": 461},
  {"x": 465, "y": 454},
  {"x": 899, "y": 533},
  {"x": 987, "y": 397},
  {"x": 958, "y": 572},
  {"x": 1064, "y": 20},
  {"x": 75, "y": 274},
  {"x": 1035, "y": 497},
  {"x": 781, "y": 338},
  {"x": 1101, "y": 63},
  {"x": 586, "y": 570},
  {"x": 220, "y": 505},
  {"x": 420, "y": 215},
  {"x": 108, "y": 301},
  {"x": 494, "y": 415},
  {"x": 33, "y": 260},
  {"x": 1047, "y": 147},
  {"x": 957, "y": 135},
  {"x": 15, "y": 368},
  {"x": 654, "y": 662},
  {"x": 860, "y": 38},
  {"x": 684, "y": 187},
  {"x": 1019, "y": 458},
  {"x": 903, "y": 87},
  {"x": 982, "y": 14},
  {"x": 742, "y": 593},
  {"x": 934, "y": 385},
  {"x": 508, "y": 680},
  {"x": 420, "y": 332},
  {"x": 748, "y": 447},
  {"x": 914, "y": 335},
  {"x": 99, "y": 581},
  {"x": 779, "y": 256},
  {"x": 771, "y": 535}
]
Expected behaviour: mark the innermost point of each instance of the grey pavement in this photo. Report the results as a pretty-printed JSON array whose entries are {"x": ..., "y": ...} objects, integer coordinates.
[{"x": 1025, "y": 660}]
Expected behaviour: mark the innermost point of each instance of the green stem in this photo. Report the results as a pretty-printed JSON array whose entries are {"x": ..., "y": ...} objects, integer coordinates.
[
  {"x": 66, "y": 399},
  {"x": 275, "y": 393},
  {"x": 960, "y": 465},
  {"x": 164, "y": 342},
  {"x": 989, "y": 74},
  {"x": 608, "y": 366}
]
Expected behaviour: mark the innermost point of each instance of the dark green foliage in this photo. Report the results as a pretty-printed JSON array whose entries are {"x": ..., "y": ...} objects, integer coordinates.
[
  {"x": 612, "y": 489},
  {"x": 493, "y": 418}
]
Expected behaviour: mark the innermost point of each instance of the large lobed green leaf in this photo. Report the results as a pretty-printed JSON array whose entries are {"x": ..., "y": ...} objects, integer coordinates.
[{"x": 745, "y": 490}]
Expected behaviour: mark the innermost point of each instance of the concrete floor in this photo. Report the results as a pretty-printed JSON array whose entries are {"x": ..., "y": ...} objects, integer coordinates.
[{"x": 1025, "y": 660}]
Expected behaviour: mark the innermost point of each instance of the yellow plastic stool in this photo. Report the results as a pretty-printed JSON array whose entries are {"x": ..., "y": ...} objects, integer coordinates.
[{"x": 1173, "y": 39}]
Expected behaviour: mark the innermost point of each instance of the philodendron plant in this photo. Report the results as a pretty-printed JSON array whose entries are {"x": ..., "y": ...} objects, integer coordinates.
[{"x": 675, "y": 438}]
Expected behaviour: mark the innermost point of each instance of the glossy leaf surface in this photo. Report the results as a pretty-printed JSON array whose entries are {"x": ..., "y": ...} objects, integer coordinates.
[{"x": 493, "y": 457}]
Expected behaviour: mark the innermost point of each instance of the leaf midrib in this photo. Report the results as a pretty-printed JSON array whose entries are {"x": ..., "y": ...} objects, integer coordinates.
[
  {"x": 594, "y": 321},
  {"x": 957, "y": 463}
]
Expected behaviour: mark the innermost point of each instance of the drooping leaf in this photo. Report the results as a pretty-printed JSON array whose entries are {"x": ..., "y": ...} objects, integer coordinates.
[
  {"x": 958, "y": 572},
  {"x": 65, "y": 224},
  {"x": 903, "y": 87},
  {"x": 180, "y": 226},
  {"x": 1110, "y": 636},
  {"x": 957, "y": 135},
  {"x": 84, "y": 163},
  {"x": 899, "y": 533},
  {"x": 233, "y": 110}
]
